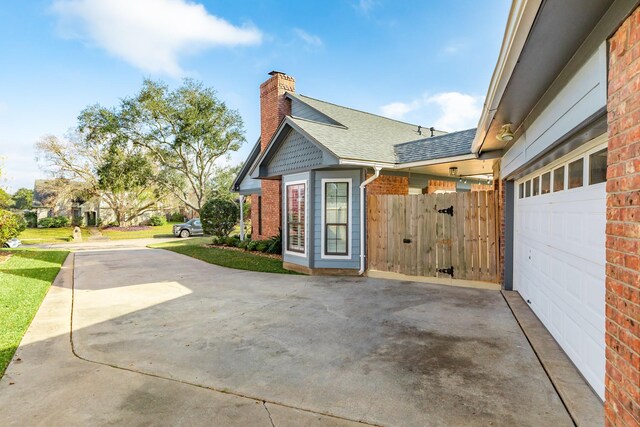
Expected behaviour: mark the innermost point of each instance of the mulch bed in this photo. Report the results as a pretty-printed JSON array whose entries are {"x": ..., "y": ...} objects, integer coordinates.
[
  {"x": 132, "y": 228},
  {"x": 231, "y": 248}
]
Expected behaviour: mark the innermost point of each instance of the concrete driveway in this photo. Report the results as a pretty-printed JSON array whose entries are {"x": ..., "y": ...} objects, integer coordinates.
[{"x": 160, "y": 338}]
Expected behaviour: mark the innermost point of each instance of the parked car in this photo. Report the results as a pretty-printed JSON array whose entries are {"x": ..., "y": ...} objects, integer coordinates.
[
  {"x": 190, "y": 228},
  {"x": 12, "y": 243}
]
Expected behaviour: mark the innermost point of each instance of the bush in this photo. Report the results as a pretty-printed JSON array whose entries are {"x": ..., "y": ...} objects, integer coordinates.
[
  {"x": 176, "y": 217},
  {"x": 262, "y": 245},
  {"x": 157, "y": 220},
  {"x": 31, "y": 218},
  {"x": 77, "y": 221},
  {"x": 275, "y": 244},
  {"x": 251, "y": 245},
  {"x": 54, "y": 222},
  {"x": 10, "y": 225},
  {"x": 219, "y": 216}
]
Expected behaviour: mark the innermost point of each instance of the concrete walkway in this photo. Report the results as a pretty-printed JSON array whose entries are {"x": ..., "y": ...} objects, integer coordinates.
[{"x": 160, "y": 338}]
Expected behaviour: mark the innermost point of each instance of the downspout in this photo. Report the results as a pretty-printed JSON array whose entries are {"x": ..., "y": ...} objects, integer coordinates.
[{"x": 363, "y": 247}]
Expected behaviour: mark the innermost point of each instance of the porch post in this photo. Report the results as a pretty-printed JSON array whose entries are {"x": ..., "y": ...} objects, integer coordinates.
[{"x": 241, "y": 217}]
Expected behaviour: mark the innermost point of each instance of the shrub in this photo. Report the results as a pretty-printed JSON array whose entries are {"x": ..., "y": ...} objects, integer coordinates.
[
  {"x": 10, "y": 225},
  {"x": 31, "y": 218},
  {"x": 219, "y": 216},
  {"x": 77, "y": 221},
  {"x": 54, "y": 222},
  {"x": 176, "y": 217},
  {"x": 275, "y": 244},
  {"x": 262, "y": 245},
  {"x": 157, "y": 220},
  {"x": 251, "y": 245}
]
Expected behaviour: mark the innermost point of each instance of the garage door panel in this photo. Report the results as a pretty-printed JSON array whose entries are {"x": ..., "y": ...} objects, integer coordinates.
[{"x": 559, "y": 267}]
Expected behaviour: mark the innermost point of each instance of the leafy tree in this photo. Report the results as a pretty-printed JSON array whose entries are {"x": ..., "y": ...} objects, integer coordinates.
[
  {"x": 186, "y": 131},
  {"x": 222, "y": 180},
  {"x": 5, "y": 200},
  {"x": 88, "y": 166},
  {"x": 10, "y": 225},
  {"x": 219, "y": 216},
  {"x": 23, "y": 199}
]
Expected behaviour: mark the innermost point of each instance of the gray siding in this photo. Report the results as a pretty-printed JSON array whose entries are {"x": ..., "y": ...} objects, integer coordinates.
[
  {"x": 302, "y": 110},
  {"x": 300, "y": 259},
  {"x": 583, "y": 95},
  {"x": 250, "y": 186},
  {"x": 295, "y": 153},
  {"x": 354, "y": 233}
]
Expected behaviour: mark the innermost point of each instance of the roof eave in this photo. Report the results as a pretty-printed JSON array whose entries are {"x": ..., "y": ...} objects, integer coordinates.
[{"x": 519, "y": 24}]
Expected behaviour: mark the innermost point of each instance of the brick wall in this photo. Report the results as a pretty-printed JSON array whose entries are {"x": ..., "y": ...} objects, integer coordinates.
[
  {"x": 388, "y": 184},
  {"x": 273, "y": 108},
  {"x": 622, "y": 382},
  {"x": 435, "y": 185}
]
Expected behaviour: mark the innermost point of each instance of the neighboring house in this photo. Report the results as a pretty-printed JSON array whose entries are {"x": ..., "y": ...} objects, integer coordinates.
[
  {"x": 49, "y": 201},
  {"x": 52, "y": 198},
  {"x": 316, "y": 161},
  {"x": 568, "y": 83}
]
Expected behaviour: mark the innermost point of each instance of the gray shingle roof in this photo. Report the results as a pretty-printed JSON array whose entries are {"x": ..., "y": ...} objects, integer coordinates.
[
  {"x": 449, "y": 145},
  {"x": 362, "y": 136}
]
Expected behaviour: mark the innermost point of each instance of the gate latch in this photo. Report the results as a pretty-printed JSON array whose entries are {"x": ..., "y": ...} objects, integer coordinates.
[
  {"x": 448, "y": 211},
  {"x": 448, "y": 271}
]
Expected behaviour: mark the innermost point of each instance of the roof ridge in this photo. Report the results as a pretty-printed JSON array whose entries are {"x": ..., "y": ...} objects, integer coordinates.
[
  {"x": 364, "y": 112},
  {"x": 429, "y": 138},
  {"x": 343, "y": 127}
]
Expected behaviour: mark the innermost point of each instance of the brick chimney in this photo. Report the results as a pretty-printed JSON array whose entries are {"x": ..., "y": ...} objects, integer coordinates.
[{"x": 273, "y": 108}]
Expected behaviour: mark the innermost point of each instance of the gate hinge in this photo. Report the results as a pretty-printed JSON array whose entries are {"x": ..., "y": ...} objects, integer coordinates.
[
  {"x": 448, "y": 271},
  {"x": 448, "y": 211}
]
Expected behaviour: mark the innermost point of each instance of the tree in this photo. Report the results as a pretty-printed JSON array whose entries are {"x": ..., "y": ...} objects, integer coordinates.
[
  {"x": 88, "y": 167},
  {"x": 23, "y": 199},
  {"x": 219, "y": 216},
  {"x": 5, "y": 200},
  {"x": 10, "y": 225},
  {"x": 186, "y": 131},
  {"x": 222, "y": 180}
]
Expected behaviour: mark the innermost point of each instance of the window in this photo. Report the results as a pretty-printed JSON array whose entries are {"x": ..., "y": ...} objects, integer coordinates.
[
  {"x": 558, "y": 179},
  {"x": 576, "y": 170},
  {"x": 545, "y": 186},
  {"x": 598, "y": 167},
  {"x": 527, "y": 187},
  {"x": 336, "y": 218},
  {"x": 259, "y": 215},
  {"x": 536, "y": 185},
  {"x": 295, "y": 217},
  {"x": 521, "y": 190}
]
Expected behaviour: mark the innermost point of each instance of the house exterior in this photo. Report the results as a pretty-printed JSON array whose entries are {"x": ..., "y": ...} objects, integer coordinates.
[
  {"x": 315, "y": 162},
  {"x": 50, "y": 201},
  {"x": 566, "y": 87}
]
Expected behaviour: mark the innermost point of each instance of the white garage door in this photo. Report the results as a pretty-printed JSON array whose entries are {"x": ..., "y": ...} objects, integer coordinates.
[{"x": 559, "y": 254}]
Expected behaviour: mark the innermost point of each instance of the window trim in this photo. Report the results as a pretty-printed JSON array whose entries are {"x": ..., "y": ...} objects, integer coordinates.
[
  {"x": 323, "y": 228},
  {"x": 285, "y": 234}
]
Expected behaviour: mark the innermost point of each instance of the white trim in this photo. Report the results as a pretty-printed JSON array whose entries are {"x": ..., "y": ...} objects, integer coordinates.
[
  {"x": 402, "y": 166},
  {"x": 349, "y": 181},
  {"x": 285, "y": 232}
]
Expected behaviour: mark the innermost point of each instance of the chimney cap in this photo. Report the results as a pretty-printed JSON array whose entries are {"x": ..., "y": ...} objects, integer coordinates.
[{"x": 274, "y": 72}]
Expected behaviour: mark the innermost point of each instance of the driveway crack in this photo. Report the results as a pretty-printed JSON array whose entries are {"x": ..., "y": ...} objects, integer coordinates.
[{"x": 269, "y": 413}]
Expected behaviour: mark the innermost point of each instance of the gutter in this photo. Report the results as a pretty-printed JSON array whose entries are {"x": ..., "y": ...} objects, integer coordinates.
[{"x": 363, "y": 248}]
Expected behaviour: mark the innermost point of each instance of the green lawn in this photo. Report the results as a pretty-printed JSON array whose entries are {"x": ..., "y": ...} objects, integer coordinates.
[
  {"x": 159, "y": 231},
  {"x": 24, "y": 280},
  {"x": 225, "y": 257},
  {"x": 32, "y": 236}
]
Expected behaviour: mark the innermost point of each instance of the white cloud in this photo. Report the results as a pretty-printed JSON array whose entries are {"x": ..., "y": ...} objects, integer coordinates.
[
  {"x": 150, "y": 34},
  {"x": 453, "y": 47},
  {"x": 365, "y": 6},
  {"x": 448, "y": 111},
  {"x": 310, "y": 39}
]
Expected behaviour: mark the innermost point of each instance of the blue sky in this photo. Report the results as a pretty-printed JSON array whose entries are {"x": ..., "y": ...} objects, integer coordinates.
[{"x": 425, "y": 62}]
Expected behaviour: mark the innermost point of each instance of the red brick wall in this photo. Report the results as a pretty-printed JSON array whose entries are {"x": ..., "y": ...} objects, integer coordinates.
[
  {"x": 273, "y": 107},
  {"x": 388, "y": 184},
  {"x": 622, "y": 382}
]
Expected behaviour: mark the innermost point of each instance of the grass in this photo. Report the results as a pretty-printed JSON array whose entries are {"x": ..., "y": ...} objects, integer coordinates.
[
  {"x": 153, "y": 232},
  {"x": 195, "y": 248},
  {"x": 33, "y": 236},
  {"x": 25, "y": 278}
]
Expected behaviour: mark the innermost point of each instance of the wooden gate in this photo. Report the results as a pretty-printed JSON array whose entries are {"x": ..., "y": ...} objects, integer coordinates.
[{"x": 434, "y": 235}]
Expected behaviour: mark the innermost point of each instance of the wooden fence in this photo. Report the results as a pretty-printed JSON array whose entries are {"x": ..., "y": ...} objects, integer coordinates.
[{"x": 434, "y": 235}]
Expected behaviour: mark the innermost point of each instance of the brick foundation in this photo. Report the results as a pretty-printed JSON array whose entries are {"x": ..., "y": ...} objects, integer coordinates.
[
  {"x": 622, "y": 382},
  {"x": 388, "y": 184}
]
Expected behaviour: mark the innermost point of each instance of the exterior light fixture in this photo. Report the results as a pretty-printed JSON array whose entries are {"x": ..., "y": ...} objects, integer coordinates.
[
  {"x": 453, "y": 171},
  {"x": 505, "y": 134}
]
